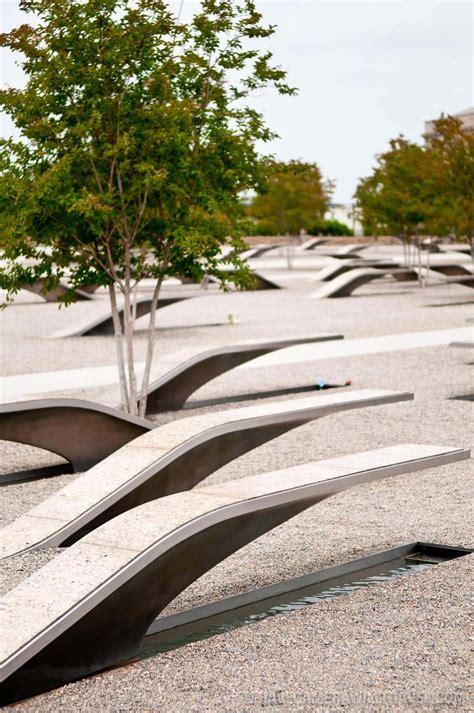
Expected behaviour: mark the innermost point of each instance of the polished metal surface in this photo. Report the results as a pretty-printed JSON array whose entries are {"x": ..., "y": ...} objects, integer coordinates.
[
  {"x": 142, "y": 306},
  {"x": 345, "y": 284},
  {"x": 82, "y": 432},
  {"x": 172, "y": 390},
  {"x": 53, "y": 295},
  {"x": 334, "y": 271}
]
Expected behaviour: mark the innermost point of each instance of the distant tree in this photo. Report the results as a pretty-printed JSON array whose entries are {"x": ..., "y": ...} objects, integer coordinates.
[
  {"x": 453, "y": 153},
  {"x": 398, "y": 198},
  {"x": 294, "y": 197},
  {"x": 135, "y": 142},
  {"x": 422, "y": 190},
  {"x": 330, "y": 227}
]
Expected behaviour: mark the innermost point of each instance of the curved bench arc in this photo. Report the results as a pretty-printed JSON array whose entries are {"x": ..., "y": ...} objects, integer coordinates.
[
  {"x": 169, "y": 459},
  {"x": 102, "y": 322},
  {"x": 171, "y": 390},
  {"x": 79, "y": 442},
  {"x": 332, "y": 271},
  {"x": 345, "y": 284},
  {"x": 82, "y": 432},
  {"x": 203, "y": 528},
  {"x": 53, "y": 295}
]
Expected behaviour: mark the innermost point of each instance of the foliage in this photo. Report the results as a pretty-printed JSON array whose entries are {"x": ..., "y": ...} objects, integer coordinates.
[
  {"x": 262, "y": 227},
  {"x": 134, "y": 144},
  {"x": 397, "y": 199},
  {"x": 330, "y": 227},
  {"x": 453, "y": 150},
  {"x": 422, "y": 190},
  {"x": 294, "y": 197}
]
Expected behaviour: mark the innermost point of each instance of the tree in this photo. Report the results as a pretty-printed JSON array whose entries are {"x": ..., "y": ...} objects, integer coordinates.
[
  {"x": 422, "y": 190},
  {"x": 330, "y": 227},
  {"x": 453, "y": 153},
  {"x": 134, "y": 145},
  {"x": 294, "y": 198},
  {"x": 397, "y": 199}
]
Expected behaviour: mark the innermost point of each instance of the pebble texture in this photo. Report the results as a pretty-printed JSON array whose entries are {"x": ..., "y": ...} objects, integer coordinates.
[{"x": 401, "y": 646}]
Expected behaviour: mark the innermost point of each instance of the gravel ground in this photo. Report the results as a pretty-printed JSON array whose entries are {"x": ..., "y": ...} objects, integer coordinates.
[
  {"x": 357, "y": 651},
  {"x": 398, "y": 647}
]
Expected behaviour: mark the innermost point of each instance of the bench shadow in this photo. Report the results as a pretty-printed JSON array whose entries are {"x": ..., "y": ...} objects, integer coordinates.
[
  {"x": 23, "y": 476},
  {"x": 256, "y": 395}
]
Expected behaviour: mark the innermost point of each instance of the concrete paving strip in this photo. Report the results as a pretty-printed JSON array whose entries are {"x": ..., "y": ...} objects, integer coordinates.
[
  {"x": 367, "y": 345},
  {"x": 15, "y": 388}
]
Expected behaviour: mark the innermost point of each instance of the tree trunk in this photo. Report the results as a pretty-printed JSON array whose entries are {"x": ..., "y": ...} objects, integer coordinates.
[
  {"x": 119, "y": 348},
  {"x": 150, "y": 348},
  {"x": 418, "y": 248},
  {"x": 128, "y": 329}
]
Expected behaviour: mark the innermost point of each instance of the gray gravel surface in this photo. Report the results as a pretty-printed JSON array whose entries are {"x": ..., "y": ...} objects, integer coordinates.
[
  {"x": 399, "y": 647},
  {"x": 357, "y": 649}
]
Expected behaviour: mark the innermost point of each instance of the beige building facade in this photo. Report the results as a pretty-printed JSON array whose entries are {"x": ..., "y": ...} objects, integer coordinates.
[{"x": 466, "y": 117}]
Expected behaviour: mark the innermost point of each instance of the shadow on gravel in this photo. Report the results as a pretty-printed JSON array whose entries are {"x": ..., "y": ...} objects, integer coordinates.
[
  {"x": 23, "y": 476},
  {"x": 452, "y": 304},
  {"x": 253, "y": 396}
]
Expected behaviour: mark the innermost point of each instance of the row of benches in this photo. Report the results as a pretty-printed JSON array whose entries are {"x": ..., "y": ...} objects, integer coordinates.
[{"x": 136, "y": 530}]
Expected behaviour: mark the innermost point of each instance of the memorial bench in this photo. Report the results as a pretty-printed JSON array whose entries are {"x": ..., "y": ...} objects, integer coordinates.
[
  {"x": 85, "y": 432},
  {"x": 169, "y": 459},
  {"x": 91, "y": 606}
]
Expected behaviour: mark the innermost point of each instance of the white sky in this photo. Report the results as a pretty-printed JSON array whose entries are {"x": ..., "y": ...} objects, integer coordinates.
[{"x": 366, "y": 72}]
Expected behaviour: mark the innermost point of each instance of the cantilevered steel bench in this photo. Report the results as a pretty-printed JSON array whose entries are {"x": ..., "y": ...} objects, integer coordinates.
[
  {"x": 334, "y": 270},
  {"x": 182, "y": 373},
  {"x": 99, "y": 319},
  {"x": 85, "y": 432},
  {"x": 347, "y": 251},
  {"x": 38, "y": 288},
  {"x": 452, "y": 269},
  {"x": 312, "y": 243},
  {"x": 467, "y": 281},
  {"x": 345, "y": 284},
  {"x": 169, "y": 459},
  {"x": 91, "y": 606},
  {"x": 339, "y": 268},
  {"x": 258, "y": 251}
]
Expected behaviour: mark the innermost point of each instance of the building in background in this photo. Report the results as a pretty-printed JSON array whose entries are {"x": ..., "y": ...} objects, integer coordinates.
[{"x": 466, "y": 117}]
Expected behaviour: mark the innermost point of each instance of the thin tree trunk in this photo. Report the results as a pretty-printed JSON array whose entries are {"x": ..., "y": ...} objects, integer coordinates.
[
  {"x": 418, "y": 247},
  {"x": 150, "y": 348},
  {"x": 289, "y": 251},
  {"x": 128, "y": 324},
  {"x": 119, "y": 347}
]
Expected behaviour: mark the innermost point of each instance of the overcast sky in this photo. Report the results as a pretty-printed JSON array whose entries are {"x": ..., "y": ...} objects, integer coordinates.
[{"x": 366, "y": 72}]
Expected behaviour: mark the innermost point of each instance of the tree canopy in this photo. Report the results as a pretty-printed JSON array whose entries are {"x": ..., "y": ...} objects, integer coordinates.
[
  {"x": 453, "y": 149},
  {"x": 135, "y": 142},
  {"x": 422, "y": 190},
  {"x": 293, "y": 199},
  {"x": 397, "y": 199}
]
